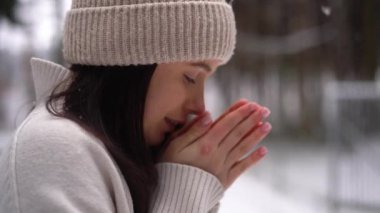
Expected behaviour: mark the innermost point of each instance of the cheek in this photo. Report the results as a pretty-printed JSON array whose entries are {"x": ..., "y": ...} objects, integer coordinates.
[
  {"x": 165, "y": 95},
  {"x": 162, "y": 101}
]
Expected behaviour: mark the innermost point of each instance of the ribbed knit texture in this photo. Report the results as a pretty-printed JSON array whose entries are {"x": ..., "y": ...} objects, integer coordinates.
[
  {"x": 48, "y": 76},
  {"x": 53, "y": 165},
  {"x": 117, "y": 32},
  {"x": 178, "y": 189},
  {"x": 106, "y": 3}
]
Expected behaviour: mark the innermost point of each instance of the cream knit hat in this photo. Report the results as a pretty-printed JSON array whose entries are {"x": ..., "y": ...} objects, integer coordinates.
[{"x": 125, "y": 32}]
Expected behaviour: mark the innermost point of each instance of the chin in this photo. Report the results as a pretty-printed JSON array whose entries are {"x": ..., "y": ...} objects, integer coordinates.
[
  {"x": 162, "y": 142},
  {"x": 157, "y": 146},
  {"x": 157, "y": 140}
]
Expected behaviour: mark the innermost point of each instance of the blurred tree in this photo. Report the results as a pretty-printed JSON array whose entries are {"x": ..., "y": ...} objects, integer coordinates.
[
  {"x": 364, "y": 22},
  {"x": 356, "y": 49},
  {"x": 7, "y": 10},
  {"x": 287, "y": 48}
]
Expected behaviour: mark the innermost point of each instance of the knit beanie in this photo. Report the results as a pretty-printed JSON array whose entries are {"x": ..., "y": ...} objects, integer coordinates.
[{"x": 132, "y": 32}]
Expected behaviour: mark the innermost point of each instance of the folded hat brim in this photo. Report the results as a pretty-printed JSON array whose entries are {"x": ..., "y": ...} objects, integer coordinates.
[{"x": 150, "y": 33}]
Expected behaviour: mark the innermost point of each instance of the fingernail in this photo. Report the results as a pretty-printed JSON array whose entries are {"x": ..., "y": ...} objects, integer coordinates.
[
  {"x": 266, "y": 112},
  {"x": 263, "y": 151},
  {"x": 206, "y": 120},
  {"x": 266, "y": 127}
]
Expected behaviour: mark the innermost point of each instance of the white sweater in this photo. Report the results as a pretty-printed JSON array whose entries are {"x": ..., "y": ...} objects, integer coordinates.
[{"x": 52, "y": 165}]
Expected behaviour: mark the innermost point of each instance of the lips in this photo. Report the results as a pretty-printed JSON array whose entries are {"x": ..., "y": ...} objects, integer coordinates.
[
  {"x": 173, "y": 124},
  {"x": 170, "y": 124}
]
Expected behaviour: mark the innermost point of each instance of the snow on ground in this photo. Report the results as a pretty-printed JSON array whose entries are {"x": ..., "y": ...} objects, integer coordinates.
[
  {"x": 289, "y": 179},
  {"x": 249, "y": 195},
  {"x": 293, "y": 178}
]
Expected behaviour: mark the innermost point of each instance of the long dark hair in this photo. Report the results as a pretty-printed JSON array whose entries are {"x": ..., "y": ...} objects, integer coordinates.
[{"x": 109, "y": 101}]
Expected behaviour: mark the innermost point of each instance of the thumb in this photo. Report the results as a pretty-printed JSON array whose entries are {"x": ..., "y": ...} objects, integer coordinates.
[
  {"x": 194, "y": 130},
  {"x": 187, "y": 126},
  {"x": 158, "y": 151}
]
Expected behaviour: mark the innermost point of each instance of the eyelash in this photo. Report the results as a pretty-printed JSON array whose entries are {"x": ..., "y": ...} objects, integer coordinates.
[{"x": 190, "y": 80}]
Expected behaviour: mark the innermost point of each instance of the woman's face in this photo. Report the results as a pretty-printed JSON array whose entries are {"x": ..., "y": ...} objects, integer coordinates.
[{"x": 176, "y": 91}]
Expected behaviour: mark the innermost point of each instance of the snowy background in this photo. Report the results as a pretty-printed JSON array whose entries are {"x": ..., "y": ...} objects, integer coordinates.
[{"x": 315, "y": 64}]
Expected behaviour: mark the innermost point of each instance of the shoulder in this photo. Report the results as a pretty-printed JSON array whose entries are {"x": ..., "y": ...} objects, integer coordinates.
[
  {"x": 44, "y": 131},
  {"x": 44, "y": 139},
  {"x": 55, "y": 162}
]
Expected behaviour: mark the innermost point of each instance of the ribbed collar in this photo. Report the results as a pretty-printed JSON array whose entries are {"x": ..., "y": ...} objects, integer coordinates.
[{"x": 47, "y": 75}]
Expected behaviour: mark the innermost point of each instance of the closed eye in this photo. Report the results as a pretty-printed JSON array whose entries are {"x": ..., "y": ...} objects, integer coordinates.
[{"x": 190, "y": 79}]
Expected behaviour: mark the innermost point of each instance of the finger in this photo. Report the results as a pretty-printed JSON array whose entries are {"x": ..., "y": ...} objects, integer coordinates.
[
  {"x": 218, "y": 132},
  {"x": 187, "y": 126},
  {"x": 236, "y": 105},
  {"x": 247, "y": 144},
  {"x": 197, "y": 130},
  {"x": 238, "y": 168},
  {"x": 242, "y": 129}
]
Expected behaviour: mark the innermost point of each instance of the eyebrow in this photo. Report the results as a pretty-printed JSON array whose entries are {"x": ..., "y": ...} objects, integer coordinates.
[{"x": 202, "y": 65}]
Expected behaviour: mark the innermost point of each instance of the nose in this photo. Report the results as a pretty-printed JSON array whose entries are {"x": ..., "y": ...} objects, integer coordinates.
[
  {"x": 196, "y": 106},
  {"x": 197, "y": 110}
]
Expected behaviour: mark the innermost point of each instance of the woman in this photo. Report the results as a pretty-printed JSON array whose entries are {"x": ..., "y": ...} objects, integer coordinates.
[{"x": 111, "y": 133}]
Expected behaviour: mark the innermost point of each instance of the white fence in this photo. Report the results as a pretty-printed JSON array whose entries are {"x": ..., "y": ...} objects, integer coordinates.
[{"x": 352, "y": 120}]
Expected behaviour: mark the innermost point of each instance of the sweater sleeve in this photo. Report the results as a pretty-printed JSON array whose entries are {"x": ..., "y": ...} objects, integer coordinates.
[
  {"x": 215, "y": 209},
  {"x": 58, "y": 175},
  {"x": 185, "y": 189}
]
